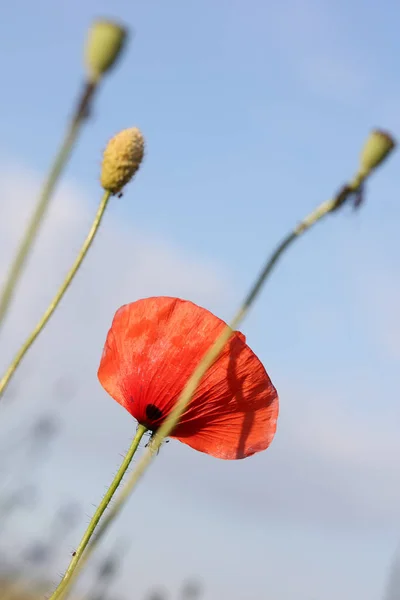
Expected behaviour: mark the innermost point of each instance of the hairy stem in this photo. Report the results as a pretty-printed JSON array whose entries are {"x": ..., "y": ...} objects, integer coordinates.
[
  {"x": 58, "y": 297},
  {"x": 60, "y": 162},
  {"x": 59, "y": 592},
  {"x": 212, "y": 354},
  {"x": 208, "y": 359}
]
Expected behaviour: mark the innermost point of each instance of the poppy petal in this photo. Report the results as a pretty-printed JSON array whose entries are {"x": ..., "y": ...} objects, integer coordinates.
[
  {"x": 234, "y": 417},
  {"x": 152, "y": 349}
]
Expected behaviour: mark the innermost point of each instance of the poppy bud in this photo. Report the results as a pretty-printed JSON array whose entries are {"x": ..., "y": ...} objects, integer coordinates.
[
  {"x": 121, "y": 159},
  {"x": 103, "y": 46},
  {"x": 377, "y": 147}
]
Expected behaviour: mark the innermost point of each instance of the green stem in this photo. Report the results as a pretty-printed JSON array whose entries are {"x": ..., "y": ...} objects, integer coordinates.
[
  {"x": 98, "y": 536},
  {"x": 32, "y": 230},
  {"x": 141, "y": 430},
  {"x": 212, "y": 354},
  {"x": 208, "y": 359},
  {"x": 58, "y": 297}
]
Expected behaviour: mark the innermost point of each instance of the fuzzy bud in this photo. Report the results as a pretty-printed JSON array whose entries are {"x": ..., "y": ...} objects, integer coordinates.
[
  {"x": 103, "y": 46},
  {"x": 121, "y": 159},
  {"x": 377, "y": 147}
]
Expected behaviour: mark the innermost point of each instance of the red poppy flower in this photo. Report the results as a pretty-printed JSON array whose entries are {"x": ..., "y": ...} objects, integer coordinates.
[{"x": 152, "y": 349}]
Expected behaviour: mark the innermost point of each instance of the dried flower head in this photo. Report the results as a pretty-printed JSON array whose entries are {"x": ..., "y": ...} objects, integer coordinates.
[
  {"x": 121, "y": 159},
  {"x": 103, "y": 46},
  {"x": 376, "y": 149}
]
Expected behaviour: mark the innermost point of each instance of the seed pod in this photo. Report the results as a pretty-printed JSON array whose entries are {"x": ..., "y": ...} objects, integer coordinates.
[
  {"x": 121, "y": 159},
  {"x": 376, "y": 149},
  {"x": 103, "y": 46}
]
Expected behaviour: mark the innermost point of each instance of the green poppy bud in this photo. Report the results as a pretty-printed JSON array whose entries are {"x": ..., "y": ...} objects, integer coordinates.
[
  {"x": 376, "y": 149},
  {"x": 103, "y": 46},
  {"x": 121, "y": 159}
]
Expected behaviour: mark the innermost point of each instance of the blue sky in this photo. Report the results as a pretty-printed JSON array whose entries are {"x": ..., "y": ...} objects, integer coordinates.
[{"x": 253, "y": 113}]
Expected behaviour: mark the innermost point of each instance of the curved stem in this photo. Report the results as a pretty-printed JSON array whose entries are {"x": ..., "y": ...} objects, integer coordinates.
[
  {"x": 58, "y": 297},
  {"x": 60, "y": 162},
  {"x": 212, "y": 354},
  {"x": 141, "y": 430},
  {"x": 208, "y": 359}
]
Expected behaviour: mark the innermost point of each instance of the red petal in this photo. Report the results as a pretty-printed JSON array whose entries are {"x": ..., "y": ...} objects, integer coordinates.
[{"x": 152, "y": 349}]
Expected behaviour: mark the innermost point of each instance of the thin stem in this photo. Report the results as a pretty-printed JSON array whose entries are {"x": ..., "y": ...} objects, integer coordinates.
[
  {"x": 141, "y": 430},
  {"x": 208, "y": 359},
  {"x": 58, "y": 297},
  {"x": 212, "y": 354},
  {"x": 60, "y": 162}
]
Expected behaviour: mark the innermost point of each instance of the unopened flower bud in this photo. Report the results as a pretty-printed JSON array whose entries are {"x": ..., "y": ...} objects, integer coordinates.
[
  {"x": 103, "y": 46},
  {"x": 377, "y": 147},
  {"x": 121, "y": 159}
]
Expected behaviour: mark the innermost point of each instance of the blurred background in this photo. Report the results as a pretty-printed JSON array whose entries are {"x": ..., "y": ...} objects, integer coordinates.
[{"x": 253, "y": 113}]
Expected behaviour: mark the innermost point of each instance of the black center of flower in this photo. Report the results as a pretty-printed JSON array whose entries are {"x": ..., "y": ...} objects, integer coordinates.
[{"x": 153, "y": 413}]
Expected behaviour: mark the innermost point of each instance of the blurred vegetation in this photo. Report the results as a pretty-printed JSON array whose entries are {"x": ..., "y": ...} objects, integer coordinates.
[{"x": 27, "y": 571}]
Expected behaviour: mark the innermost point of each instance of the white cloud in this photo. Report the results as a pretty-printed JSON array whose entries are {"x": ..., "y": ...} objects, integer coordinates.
[
  {"x": 317, "y": 430},
  {"x": 124, "y": 263},
  {"x": 329, "y": 466}
]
